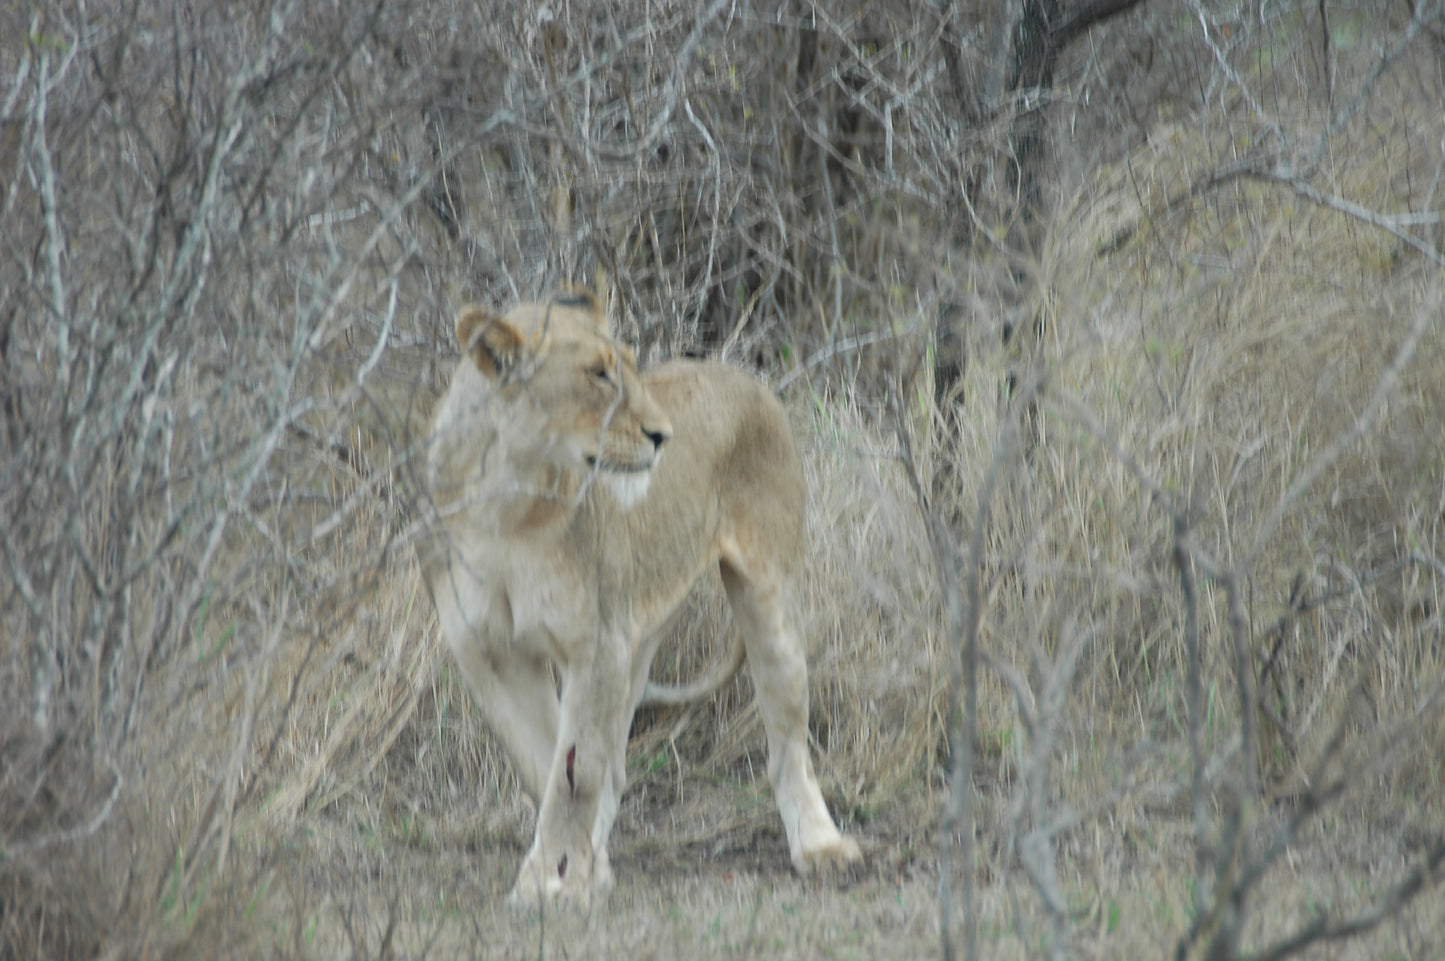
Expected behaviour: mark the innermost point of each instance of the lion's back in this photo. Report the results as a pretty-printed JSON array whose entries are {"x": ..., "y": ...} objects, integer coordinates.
[{"x": 729, "y": 407}]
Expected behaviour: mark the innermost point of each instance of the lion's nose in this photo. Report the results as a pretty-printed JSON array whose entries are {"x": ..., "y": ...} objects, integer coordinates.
[{"x": 657, "y": 436}]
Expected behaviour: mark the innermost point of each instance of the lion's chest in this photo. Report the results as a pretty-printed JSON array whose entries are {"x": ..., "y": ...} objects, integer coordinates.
[
  {"x": 510, "y": 595},
  {"x": 547, "y": 602}
]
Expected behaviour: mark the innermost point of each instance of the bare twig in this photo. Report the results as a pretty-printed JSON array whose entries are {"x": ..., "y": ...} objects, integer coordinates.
[
  {"x": 716, "y": 164},
  {"x": 1323, "y": 929},
  {"x": 964, "y": 618},
  {"x": 839, "y": 348},
  {"x": 1396, "y": 225},
  {"x": 1037, "y": 819},
  {"x": 1274, "y": 159},
  {"x": 956, "y": 840},
  {"x": 1194, "y": 705},
  {"x": 78, "y": 833}
]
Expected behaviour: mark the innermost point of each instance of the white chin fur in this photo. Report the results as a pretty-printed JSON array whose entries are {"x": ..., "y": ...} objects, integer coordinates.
[{"x": 627, "y": 489}]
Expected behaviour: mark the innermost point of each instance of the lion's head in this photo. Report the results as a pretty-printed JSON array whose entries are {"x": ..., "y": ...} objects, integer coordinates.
[{"x": 564, "y": 388}]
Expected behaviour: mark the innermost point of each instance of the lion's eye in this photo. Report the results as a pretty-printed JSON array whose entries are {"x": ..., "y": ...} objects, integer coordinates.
[{"x": 603, "y": 373}]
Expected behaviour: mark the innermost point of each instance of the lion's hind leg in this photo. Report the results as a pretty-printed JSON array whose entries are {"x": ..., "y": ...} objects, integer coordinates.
[{"x": 779, "y": 671}]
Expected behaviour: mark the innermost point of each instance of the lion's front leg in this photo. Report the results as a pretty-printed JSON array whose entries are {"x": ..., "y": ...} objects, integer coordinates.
[
  {"x": 568, "y": 858},
  {"x": 514, "y": 690}
]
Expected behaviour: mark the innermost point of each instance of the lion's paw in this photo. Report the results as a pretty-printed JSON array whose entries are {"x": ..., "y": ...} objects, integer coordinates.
[
  {"x": 579, "y": 889},
  {"x": 837, "y": 855}
]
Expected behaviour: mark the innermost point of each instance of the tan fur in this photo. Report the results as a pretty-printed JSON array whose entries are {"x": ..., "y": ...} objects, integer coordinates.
[{"x": 576, "y": 503}]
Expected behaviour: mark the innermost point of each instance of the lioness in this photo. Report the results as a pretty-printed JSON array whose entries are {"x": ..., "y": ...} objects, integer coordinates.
[{"x": 563, "y": 535}]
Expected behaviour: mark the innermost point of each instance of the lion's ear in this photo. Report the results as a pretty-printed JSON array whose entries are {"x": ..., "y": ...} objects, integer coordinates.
[
  {"x": 494, "y": 345},
  {"x": 576, "y": 295}
]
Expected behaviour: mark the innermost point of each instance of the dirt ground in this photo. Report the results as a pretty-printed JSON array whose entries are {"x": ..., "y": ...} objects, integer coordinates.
[{"x": 700, "y": 879}]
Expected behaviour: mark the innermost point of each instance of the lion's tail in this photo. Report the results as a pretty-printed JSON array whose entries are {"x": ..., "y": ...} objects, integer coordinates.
[{"x": 665, "y": 695}]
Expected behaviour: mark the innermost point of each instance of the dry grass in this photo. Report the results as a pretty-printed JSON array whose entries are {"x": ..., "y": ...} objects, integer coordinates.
[{"x": 304, "y": 775}]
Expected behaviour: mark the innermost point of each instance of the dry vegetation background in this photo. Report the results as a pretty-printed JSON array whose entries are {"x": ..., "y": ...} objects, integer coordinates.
[{"x": 1112, "y": 334}]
